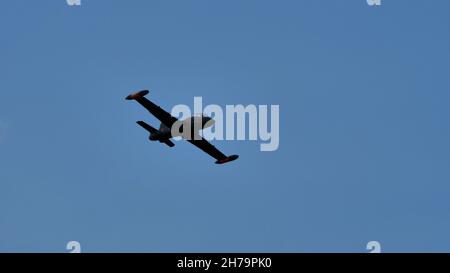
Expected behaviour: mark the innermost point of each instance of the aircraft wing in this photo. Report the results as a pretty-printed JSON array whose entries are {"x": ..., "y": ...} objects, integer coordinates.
[
  {"x": 154, "y": 109},
  {"x": 208, "y": 148}
]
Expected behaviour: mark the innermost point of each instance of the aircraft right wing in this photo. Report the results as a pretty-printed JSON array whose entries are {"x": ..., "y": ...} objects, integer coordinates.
[{"x": 154, "y": 109}]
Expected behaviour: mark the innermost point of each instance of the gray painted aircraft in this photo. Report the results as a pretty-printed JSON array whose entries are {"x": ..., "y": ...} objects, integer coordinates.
[{"x": 165, "y": 132}]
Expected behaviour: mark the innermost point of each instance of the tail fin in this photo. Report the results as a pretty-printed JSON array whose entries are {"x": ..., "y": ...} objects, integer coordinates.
[{"x": 164, "y": 128}]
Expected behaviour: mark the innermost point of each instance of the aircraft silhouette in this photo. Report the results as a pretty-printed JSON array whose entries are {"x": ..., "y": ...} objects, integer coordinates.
[{"x": 193, "y": 125}]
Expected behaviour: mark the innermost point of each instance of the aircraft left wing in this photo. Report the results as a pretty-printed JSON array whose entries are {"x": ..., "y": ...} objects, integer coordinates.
[
  {"x": 208, "y": 148},
  {"x": 154, "y": 109}
]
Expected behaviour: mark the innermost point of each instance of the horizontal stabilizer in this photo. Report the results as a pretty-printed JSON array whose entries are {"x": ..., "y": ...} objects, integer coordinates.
[
  {"x": 155, "y": 132},
  {"x": 169, "y": 143},
  {"x": 147, "y": 127}
]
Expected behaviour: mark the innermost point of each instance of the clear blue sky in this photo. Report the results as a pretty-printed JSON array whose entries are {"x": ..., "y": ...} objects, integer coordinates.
[{"x": 364, "y": 102}]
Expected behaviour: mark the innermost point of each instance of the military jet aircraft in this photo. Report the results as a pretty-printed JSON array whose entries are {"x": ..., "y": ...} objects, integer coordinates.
[{"x": 164, "y": 134}]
